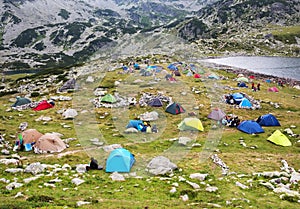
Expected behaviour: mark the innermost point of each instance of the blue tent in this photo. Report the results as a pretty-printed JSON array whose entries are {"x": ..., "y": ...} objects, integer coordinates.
[
  {"x": 245, "y": 103},
  {"x": 242, "y": 85},
  {"x": 119, "y": 160},
  {"x": 138, "y": 124},
  {"x": 268, "y": 120},
  {"x": 250, "y": 127},
  {"x": 237, "y": 96},
  {"x": 172, "y": 67}
]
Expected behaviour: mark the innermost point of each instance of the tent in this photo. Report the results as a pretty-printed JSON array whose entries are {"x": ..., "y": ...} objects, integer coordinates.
[
  {"x": 268, "y": 120},
  {"x": 279, "y": 138},
  {"x": 189, "y": 73},
  {"x": 273, "y": 89},
  {"x": 243, "y": 79},
  {"x": 175, "y": 108},
  {"x": 213, "y": 76},
  {"x": 119, "y": 160},
  {"x": 197, "y": 76},
  {"x": 50, "y": 143},
  {"x": 245, "y": 103},
  {"x": 137, "y": 124},
  {"x": 177, "y": 73},
  {"x": 43, "y": 105},
  {"x": 250, "y": 127},
  {"x": 193, "y": 124},
  {"x": 30, "y": 135},
  {"x": 69, "y": 85},
  {"x": 109, "y": 99},
  {"x": 172, "y": 67},
  {"x": 155, "y": 102},
  {"x": 21, "y": 101},
  {"x": 168, "y": 76},
  {"x": 242, "y": 84},
  {"x": 237, "y": 97},
  {"x": 216, "y": 114}
]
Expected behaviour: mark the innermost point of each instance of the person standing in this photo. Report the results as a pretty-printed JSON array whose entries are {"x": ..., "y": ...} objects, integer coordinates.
[{"x": 258, "y": 87}]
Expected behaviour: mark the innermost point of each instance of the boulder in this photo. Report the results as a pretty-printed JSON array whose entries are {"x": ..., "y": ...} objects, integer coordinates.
[
  {"x": 184, "y": 140},
  {"x": 115, "y": 176},
  {"x": 160, "y": 165},
  {"x": 34, "y": 168},
  {"x": 77, "y": 181},
  {"x": 131, "y": 130},
  {"x": 13, "y": 185},
  {"x": 199, "y": 176}
]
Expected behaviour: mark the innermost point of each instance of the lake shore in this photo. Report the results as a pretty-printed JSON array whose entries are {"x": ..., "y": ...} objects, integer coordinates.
[{"x": 258, "y": 76}]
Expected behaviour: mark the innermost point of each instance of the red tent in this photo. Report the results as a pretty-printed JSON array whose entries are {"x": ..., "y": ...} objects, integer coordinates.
[
  {"x": 43, "y": 105},
  {"x": 252, "y": 77},
  {"x": 197, "y": 76}
]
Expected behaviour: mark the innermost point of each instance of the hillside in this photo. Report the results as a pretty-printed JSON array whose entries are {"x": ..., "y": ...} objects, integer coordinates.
[
  {"x": 218, "y": 167},
  {"x": 45, "y": 34}
]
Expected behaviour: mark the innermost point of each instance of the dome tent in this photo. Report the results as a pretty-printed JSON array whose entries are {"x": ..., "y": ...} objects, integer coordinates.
[
  {"x": 216, "y": 114},
  {"x": 250, "y": 127},
  {"x": 268, "y": 120},
  {"x": 279, "y": 138},
  {"x": 119, "y": 160},
  {"x": 49, "y": 143},
  {"x": 108, "y": 98},
  {"x": 175, "y": 108},
  {"x": 192, "y": 124},
  {"x": 21, "y": 101}
]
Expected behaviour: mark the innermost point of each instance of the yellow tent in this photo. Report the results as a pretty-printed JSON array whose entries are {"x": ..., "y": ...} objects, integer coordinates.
[
  {"x": 191, "y": 124},
  {"x": 280, "y": 139}
]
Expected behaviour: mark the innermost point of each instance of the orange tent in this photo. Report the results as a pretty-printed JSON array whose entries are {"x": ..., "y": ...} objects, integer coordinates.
[{"x": 50, "y": 143}]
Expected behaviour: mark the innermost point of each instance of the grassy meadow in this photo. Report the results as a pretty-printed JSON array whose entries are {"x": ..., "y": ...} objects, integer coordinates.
[{"x": 147, "y": 191}]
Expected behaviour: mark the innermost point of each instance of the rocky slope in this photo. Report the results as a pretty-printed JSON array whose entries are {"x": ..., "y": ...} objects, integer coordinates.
[{"x": 49, "y": 33}]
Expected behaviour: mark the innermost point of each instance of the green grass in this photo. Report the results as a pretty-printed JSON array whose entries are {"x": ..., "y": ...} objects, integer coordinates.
[{"x": 150, "y": 191}]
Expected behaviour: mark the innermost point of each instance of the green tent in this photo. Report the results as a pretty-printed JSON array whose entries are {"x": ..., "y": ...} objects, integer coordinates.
[
  {"x": 279, "y": 138},
  {"x": 243, "y": 79},
  {"x": 109, "y": 99},
  {"x": 193, "y": 124}
]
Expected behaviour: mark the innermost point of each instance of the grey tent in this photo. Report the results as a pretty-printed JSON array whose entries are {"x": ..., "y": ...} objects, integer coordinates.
[
  {"x": 216, "y": 114},
  {"x": 69, "y": 85},
  {"x": 21, "y": 101}
]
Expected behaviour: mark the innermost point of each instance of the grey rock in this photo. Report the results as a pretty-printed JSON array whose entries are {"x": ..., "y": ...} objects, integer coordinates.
[
  {"x": 77, "y": 181},
  {"x": 295, "y": 177},
  {"x": 34, "y": 168},
  {"x": 14, "y": 170},
  {"x": 115, "y": 176},
  {"x": 199, "y": 176},
  {"x": 243, "y": 186},
  {"x": 194, "y": 185},
  {"x": 184, "y": 140},
  {"x": 268, "y": 185},
  {"x": 173, "y": 190},
  {"x": 27, "y": 180},
  {"x": 80, "y": 203},
  {"x": 81, "y": 168},
  {"x": 5, "y": 152},
  {"x": 211, "y": 189},
  {"x": 13, "y": 185},
  {"x": 131, "y": 130},
  {"x": 160, "y": 165}
]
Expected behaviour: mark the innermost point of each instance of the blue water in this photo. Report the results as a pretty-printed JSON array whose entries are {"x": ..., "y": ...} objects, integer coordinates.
[{"x": 285, "y": 67}]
